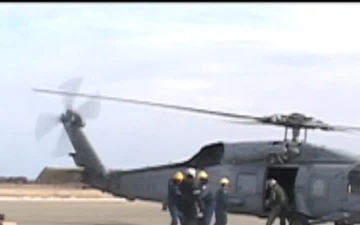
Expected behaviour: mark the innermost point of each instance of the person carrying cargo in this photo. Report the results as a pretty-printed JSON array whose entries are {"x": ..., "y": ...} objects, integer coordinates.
[
  {"x": 174, "y": 198},
  {"x": 221, "y": 202},
  {"x": 207, "y": 198},
  {"x": 278, "y": 202},
  {"x": 190, "y": 195}
]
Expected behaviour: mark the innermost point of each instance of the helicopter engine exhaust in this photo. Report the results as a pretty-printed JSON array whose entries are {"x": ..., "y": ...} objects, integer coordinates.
[{"x": 273, "y": 151}]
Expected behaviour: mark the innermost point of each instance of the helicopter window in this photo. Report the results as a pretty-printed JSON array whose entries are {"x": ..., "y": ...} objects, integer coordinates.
[
  {"x": 246, "y": 183},
  {"x": 354, "y": 182}
]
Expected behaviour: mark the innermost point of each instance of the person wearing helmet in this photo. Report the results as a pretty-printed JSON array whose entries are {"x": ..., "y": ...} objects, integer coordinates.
[
  {"x": 190, "y": 195},
  {"x": 278, "y": 202},
  {"x": 207, "y": 198},
  {"x": 174, "y": 198},
  {"x": 221, "y": 202}
]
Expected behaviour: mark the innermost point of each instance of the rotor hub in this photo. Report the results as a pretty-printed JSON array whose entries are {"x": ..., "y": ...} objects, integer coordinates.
[
  {"x": 67, "y": 116},
  {"x": 72, "y": 117}
]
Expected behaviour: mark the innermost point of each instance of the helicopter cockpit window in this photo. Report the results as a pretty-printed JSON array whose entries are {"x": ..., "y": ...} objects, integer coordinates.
[{"x": 354, "y": 182}]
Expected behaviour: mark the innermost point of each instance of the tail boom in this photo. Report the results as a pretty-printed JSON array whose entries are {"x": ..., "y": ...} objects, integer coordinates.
[{"x": 85, "y": 156}]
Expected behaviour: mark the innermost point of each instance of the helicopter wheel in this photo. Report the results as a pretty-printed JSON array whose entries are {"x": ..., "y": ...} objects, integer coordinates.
[{"x": 298, "y": 220}]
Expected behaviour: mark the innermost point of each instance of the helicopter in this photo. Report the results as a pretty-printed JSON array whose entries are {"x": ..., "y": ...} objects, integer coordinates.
[{"x": 323, "y": 184}]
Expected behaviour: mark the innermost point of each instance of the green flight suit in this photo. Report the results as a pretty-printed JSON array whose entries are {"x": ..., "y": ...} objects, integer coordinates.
[{"x": 279, "y": 205}]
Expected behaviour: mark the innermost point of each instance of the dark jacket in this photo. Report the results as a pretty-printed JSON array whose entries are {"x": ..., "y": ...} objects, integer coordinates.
[
  {"x": 174, "y": 193},
  {"x": 189, "y": 198},
  {"x": 207, "y": 196},
  {"x": 190, "y": 190},
  {"x": 221, "y": 198}
]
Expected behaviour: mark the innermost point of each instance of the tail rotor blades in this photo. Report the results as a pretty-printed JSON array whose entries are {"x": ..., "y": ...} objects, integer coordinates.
[
  {"x": 44, "y": 124},
  {"x": 72, "y": 85},
  {"x": 89, "y": 109},
  {"x": 62, "y": 146},
  {"x": 47, "y": 122}
]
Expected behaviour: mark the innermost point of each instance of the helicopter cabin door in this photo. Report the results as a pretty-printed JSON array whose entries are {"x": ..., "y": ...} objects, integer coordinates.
[
  {"x": 317, "y": 187},
  {"x": 248, "y": 191}
]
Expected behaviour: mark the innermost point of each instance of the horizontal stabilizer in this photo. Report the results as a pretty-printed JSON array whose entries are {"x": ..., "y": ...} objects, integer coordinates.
[{"x": 60, "y": 176}]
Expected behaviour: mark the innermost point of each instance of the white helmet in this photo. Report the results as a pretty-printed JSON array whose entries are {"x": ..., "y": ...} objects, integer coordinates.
[
  {"x": 191, "y": 172},
  {"x": 270, "y": 182}
]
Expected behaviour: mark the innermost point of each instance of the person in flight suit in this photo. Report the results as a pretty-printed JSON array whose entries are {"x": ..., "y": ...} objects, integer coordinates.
[
  {"x": 207, "y": 198},
  {"x": 221, "y": 202},
  {"x": 278, "y": 202},
  {"x": 190, "y": 197},
  {"x": 174, "y": 198}
]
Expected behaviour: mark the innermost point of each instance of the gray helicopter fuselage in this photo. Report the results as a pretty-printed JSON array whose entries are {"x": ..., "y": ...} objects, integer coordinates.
[{"x": 324, "y": 185}]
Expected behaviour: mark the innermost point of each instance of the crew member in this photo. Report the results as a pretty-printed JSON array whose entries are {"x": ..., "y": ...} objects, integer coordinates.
[
  {"x": 278, "y": 202},
  {"x": 174, "y": 198},
  {"x": 221, "y": 199},
  {"x": 207, "y": 198},
  {"x": 190, "y": 195}
]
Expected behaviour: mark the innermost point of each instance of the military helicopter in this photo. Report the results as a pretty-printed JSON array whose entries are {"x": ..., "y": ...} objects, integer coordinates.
[{"x": 323, "y": 184}]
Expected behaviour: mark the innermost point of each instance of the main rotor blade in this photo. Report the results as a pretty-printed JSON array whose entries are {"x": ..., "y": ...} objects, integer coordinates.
[
  {"x": 90, "y": 109},
  {"x": 328, "y": 127},
  {"x": 148, "y": 103},
  {"x": 72, "y": 85},
  {"x": 348, "y": 127},
  {"x": 244, "y": 122},
  {"x": 344, "y": 128},
  {"x": 45, "y": 123}
]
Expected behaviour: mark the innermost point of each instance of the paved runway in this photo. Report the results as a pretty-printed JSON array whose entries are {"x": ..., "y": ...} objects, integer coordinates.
[{"x": 95, "y": 213}]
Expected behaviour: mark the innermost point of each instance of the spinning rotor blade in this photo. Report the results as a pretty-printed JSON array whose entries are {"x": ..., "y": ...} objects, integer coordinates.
[
  {"x": 328, "y": 127},
  {"x": 148, "y": 103},
  {"x": 45, "y": 123},
  {"x": 72, "y": 85},
  {"x": 62, "y": 146},
  {"x": 90, "y": 109},
  {"x": 307, "y": 126},
  {"x": 294, "y": 120},
  {"x": 245, "y": 122},
  {"x": 346, "y": 128}
]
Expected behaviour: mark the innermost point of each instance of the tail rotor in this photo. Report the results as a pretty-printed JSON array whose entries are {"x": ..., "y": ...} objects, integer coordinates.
[
  {"x": 47, "y": 122},
  {"x": 74, "y": 85}
]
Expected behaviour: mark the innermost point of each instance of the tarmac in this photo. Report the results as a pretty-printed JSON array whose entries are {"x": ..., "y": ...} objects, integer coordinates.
[{"x": 95, "y": 212}]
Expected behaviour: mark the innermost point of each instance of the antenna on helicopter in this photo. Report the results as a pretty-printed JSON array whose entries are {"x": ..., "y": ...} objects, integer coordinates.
[{"x": 293, "y": 121}]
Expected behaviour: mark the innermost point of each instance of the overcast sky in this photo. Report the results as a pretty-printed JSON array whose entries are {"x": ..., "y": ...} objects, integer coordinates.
[{"x": 246, "y": 58}]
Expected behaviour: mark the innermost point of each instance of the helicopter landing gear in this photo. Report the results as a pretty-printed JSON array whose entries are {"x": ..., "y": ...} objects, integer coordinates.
[
  {"x": 343, "y": 223},
  {"x": 298, "y": 219}
]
